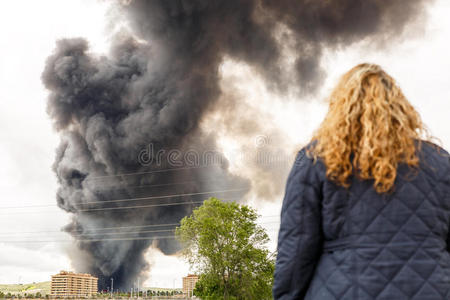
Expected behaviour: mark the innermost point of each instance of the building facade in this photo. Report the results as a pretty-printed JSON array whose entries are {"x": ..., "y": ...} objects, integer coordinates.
[
  {"x": 72, "y": 285},
  {"x": 189, "y": 284}
]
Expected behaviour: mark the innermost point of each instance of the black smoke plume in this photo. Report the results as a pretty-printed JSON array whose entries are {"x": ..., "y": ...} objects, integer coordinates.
[{"x": 152, "y": 91}]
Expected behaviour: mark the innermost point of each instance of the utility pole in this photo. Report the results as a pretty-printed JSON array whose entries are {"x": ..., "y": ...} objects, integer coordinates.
[
  {"x": 112, "y": 287},
  {"x": 138, "y": 288}
]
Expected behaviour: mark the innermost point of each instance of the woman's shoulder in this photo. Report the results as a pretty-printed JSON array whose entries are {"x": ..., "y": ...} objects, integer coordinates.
[
  {"x": 429, "y": 148},
  {"x": 312, "y": 167},
  {"x": 305, "y": 155},
  {"x": 434, "y": 157}
]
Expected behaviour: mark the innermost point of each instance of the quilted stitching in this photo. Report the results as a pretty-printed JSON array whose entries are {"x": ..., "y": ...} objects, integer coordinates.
[{"x": 398, "y": 242}]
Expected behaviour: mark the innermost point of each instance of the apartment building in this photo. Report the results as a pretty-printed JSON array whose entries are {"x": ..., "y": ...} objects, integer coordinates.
[
  {"x": 189, "y": 284},
  {"x": 73, "y": 285}
]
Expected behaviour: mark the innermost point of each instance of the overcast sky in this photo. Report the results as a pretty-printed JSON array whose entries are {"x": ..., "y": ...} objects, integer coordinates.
[{"x": 29, "y": 29}]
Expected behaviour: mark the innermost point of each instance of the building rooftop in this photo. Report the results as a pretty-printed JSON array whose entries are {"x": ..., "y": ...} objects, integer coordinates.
[{"x": 74, "y": 274}]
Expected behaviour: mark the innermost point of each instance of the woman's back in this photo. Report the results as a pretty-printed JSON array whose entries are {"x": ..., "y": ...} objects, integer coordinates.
[
  {"x": 366, "y": 212},
  {"x": 368, "y": 245}
]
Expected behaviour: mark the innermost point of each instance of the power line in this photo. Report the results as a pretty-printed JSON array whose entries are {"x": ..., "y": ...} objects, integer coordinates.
[
  {"x": 94, "y": 229},
  {"x": 137, "y": 199},
  {"x": 89, "y": 231},
  {"x": 121, "y": 208},
  {"x": 115, "y": 187},
  {"x": 119, "y": 233},
  {"x": 163, "y": 197},
  {"x": 94, "y": 240},
  {"x": 128, "y": 232},
  {"x": 140, "y": 206},
  {"x": 117, "y": 207},
  {"x": 137, "y": 232},
  {"x": 146, "y": 172},
  {"x": 122, "y": 187}
]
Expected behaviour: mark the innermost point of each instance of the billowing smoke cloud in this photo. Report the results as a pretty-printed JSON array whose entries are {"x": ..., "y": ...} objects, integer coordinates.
[{"x": 150, "y": 93}]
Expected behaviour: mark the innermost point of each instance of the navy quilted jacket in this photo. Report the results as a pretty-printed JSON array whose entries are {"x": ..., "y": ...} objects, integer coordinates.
[{"x": 338, "y": 243}]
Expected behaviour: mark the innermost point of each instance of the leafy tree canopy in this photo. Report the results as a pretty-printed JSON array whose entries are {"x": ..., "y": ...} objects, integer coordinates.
[{"x": 223, "y": 243}]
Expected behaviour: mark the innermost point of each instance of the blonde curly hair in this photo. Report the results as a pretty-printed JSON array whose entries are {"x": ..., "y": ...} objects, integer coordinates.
[{"x": 369, "y": 129}]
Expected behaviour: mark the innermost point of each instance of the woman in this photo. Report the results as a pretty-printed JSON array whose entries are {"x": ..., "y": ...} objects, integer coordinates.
[{"x": 366, "y": 212}]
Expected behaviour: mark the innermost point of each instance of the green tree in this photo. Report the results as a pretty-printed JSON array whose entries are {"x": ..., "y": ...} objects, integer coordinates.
[{"x": 223, "y": 243}]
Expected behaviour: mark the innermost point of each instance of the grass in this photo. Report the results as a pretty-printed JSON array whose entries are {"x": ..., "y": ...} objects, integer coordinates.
[{"x": 42, "y": 287}]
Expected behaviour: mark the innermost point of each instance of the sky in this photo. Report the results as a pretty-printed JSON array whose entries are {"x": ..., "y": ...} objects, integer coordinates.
[{"x": 29, "y": 29}]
